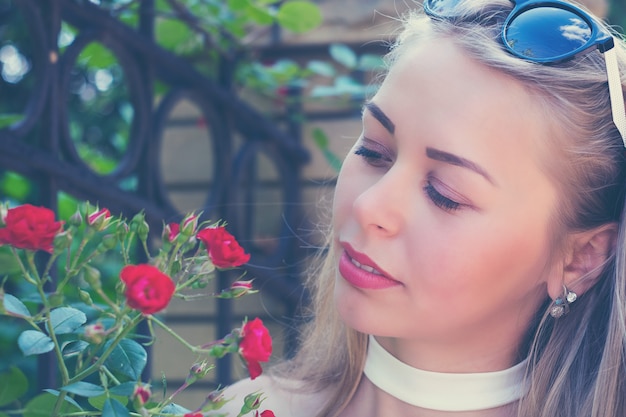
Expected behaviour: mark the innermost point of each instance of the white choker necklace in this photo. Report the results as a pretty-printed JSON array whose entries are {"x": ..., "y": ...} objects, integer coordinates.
[{"x": 442, "y": 391}]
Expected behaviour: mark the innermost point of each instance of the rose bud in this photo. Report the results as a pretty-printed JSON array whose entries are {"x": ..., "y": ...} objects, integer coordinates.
[
  {"x": 62, "y": 241},
  {"x": 95, "y": 333},
  {"x": 92, "y": 276},
  {"x": 76, "y": 219},
  {"x": 170, "y": 232},
  {"x": 142, "y": 394},
  {"x": 190, "y": 223},
  {"x": 99, "y": 219},
  {"x": 238, "y": 289}
]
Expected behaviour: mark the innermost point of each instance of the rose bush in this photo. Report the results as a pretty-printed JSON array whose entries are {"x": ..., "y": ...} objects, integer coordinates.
[{"x": 95, "y": 343}]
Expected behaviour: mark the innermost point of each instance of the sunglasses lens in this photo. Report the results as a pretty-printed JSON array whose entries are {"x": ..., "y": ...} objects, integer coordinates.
[
  {"x": 442, "y": 8},
  {"x": 547, "y": 33}
]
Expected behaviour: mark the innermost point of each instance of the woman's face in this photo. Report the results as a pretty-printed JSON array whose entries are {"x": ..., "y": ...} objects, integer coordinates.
[{"x": 442, "y": 214}]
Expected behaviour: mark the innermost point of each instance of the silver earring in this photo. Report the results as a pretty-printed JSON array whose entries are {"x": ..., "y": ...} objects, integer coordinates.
[{"x": 560, "y": 306}]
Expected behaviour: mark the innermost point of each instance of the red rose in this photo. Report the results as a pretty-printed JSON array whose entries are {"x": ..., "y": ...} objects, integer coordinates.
[
  {"x": 255, "y": 346},
  {"x": 147, "y": 289},
  {"x": 30, "y": 227},
  {"x": 193, "y": 415},
  {"x": 222, "y": 247},
  {"x": 266, "y": 413}
]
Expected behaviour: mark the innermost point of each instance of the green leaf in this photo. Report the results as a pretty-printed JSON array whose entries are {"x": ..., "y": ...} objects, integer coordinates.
[
  {"x": 97, "y": 56},
  {"x": 14, "y": 307},
  {"x": 7, "y": 120},
  {"x": 370, "y": 62},
  {"x": 299, "y": 16},
  {"x": 33, "y": 342},
  {"x": 113, "y": 408},
  {"x": 321, "y": 68},
  {"x": 320, "y": 138},
  {"x": 174, "y": 409},
  {"x": 74, "y": 348},
  {"x": 84, "y": 389},
  {"x": 66, "y": 320},
  {"x": 238, "y": 5},
  {"x": 344, "y": 55},
  {"x": 260, "y": 15},
  {"x": 13, "y": 384},
  {"x": 3, "y": 414},
  {"x": 15, "y": 185},
  {"x": 98, "y": 402},
  {"x": 68, "y": 399},
  {"x": 41, "y": 405},
  {"x": 172, "y": 33},
  {"x": 125, "y": 389},
  {"x": 128, "y": 358}
]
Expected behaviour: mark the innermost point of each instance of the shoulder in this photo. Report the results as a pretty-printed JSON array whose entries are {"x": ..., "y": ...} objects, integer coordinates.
[{"x": 285, "y": 398}]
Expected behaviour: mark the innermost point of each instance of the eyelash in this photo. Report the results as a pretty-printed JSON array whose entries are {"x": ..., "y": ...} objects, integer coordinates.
[
  {"x": 372, "y": 157},
  {"x": 377, "y": 159},
  {"x": 439, "y": 199}
]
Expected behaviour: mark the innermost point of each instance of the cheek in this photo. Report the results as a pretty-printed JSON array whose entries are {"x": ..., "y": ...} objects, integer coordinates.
[
  {"x": 482, "y": 263},
  {"x": 346, "y": 189}
]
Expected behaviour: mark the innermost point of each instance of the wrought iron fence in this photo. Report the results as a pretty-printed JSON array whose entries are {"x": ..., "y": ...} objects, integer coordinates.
[{"x": 44, "y": 141}]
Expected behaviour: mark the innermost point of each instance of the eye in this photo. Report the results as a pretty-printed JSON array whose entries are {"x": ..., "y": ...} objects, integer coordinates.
[
  {"x": 372, "y": 157},
  {"x": 439, "y": 199}
]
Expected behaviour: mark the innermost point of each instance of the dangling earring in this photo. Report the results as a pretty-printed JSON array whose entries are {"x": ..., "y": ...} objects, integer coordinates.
[{"x": 560, "y": 306}]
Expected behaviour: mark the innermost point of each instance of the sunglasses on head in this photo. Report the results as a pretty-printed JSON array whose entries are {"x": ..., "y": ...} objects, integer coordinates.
[{"x": 549, "y": 32}]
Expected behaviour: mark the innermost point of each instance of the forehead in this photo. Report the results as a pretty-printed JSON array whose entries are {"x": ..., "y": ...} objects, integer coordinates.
[{"x": 436, "y": 92}]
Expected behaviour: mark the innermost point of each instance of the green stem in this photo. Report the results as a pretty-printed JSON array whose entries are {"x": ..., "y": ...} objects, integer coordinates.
[
  {"x": 57, "y": 405},
  {"x": 57, "y": 348},
  {"x": 30, "y": 258},
  {"x": 175, "y": 335},
  {"x": 71, "y": 273},
  {"x": 172, "y": 257},
  {"x": 80, "y": 249},
  {"x": 107, "y": 300},
  {"x": 126, "y": 248},
  {"x": 25, "y": 273},
  {"x": 178, "y": 391},
  {"x": 96, "y": 365},
  {"x": 46, "y": 270},
  {"x": 110, "y": 375},
  {"x": 144, "y": 243}
]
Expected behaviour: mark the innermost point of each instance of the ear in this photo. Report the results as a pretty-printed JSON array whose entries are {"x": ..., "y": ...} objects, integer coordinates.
[{"x": 585, "y": 256}]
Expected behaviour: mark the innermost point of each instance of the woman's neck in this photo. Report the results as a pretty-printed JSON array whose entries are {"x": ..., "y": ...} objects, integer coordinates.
[
  {"x": 371, "y": 401},
  {"x": 391, "y": 387}
]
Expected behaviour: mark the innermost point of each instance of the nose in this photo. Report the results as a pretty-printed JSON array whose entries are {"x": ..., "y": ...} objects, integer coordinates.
[{"x": 382, "y": 206}]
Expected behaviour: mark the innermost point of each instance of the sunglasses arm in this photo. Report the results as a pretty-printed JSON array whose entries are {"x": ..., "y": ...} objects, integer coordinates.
[{"x": 615, "y": 90}]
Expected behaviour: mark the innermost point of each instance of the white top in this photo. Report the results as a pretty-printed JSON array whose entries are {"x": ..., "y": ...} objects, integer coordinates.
[{"x": 443, "y": 391}]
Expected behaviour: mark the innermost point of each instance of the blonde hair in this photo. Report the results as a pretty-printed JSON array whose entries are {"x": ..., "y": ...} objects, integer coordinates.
[{"x": 577, "y": 364}]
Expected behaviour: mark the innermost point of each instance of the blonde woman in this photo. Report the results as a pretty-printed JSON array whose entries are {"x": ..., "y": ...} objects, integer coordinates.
[{"x": 476, "y": 261}]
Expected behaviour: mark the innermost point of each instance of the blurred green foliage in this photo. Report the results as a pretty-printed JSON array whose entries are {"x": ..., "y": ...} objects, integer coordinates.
[{"x": 617, "y": 14}]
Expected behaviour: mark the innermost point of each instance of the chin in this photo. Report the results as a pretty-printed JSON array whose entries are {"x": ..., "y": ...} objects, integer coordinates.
[{"x": 356, "y": 312}]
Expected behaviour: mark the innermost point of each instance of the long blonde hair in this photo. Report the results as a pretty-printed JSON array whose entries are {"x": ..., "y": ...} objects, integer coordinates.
[{"x": 577, "y": 363}]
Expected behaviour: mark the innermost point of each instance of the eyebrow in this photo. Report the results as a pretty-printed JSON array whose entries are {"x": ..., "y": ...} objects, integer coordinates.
[
  {"x": 456, "y": 160},
  {"x": 380, "y": 116},
  {"x": 432, "y": 153}
]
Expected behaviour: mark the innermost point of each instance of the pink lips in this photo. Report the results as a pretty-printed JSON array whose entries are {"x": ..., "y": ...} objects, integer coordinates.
[{"x": 367, "y": 276}]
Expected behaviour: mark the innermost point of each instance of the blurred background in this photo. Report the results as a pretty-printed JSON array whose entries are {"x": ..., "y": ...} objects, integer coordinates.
[{"x": 240, "y": 109}]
